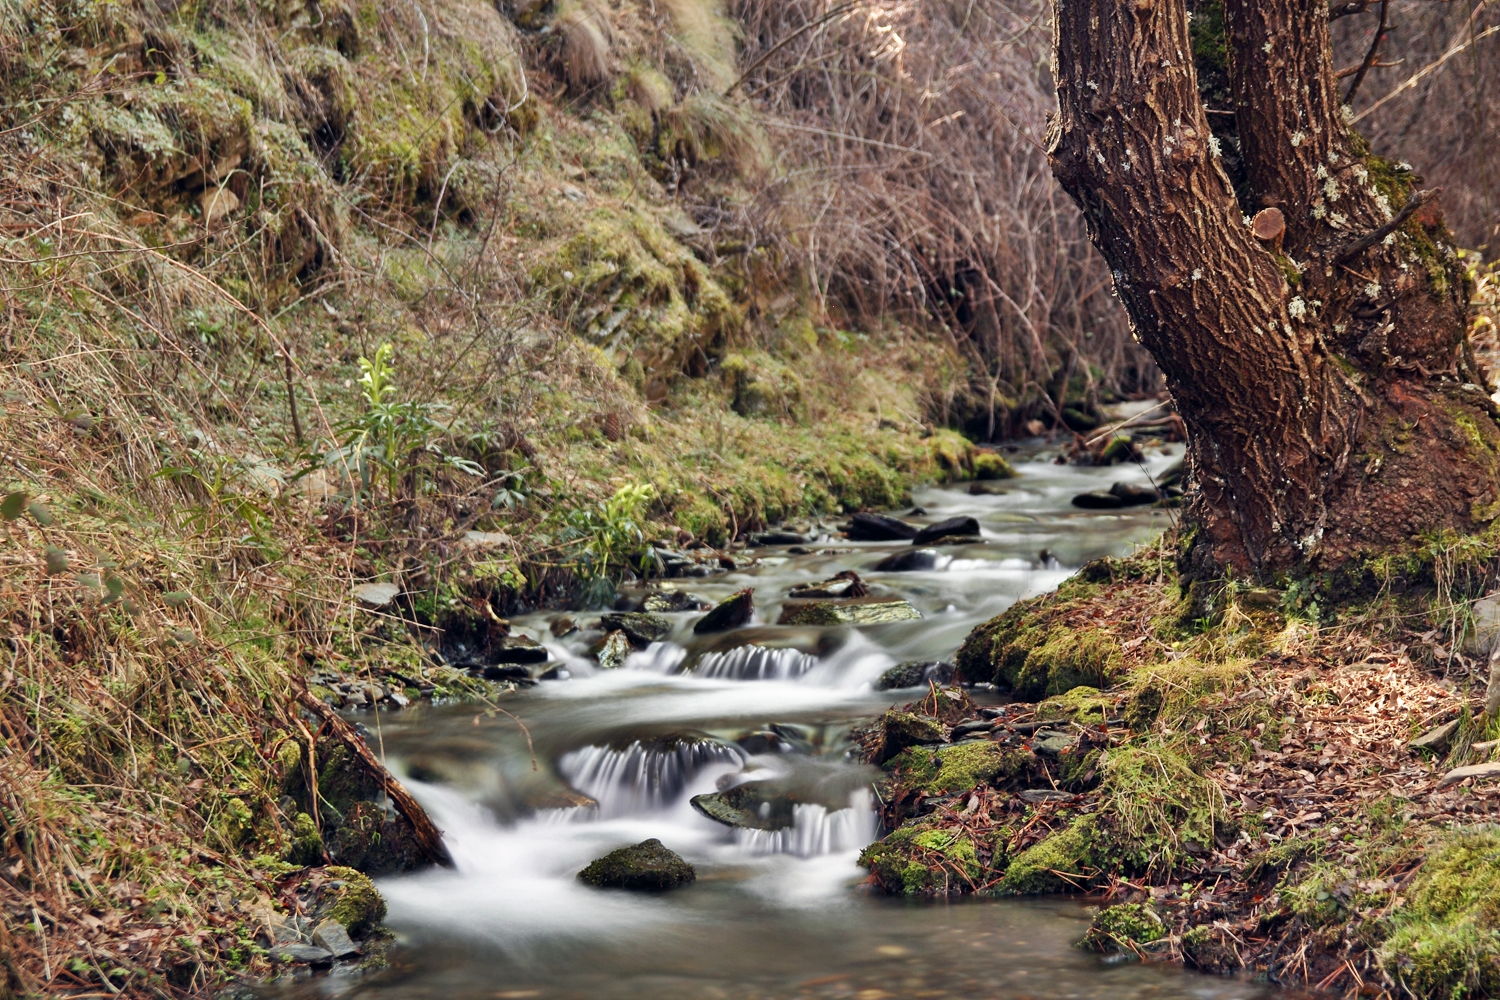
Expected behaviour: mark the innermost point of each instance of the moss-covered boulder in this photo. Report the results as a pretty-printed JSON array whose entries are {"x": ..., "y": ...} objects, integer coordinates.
[
  {"x": 899, "y": 730},
  {"x": 990, "y": 465},
  {"x": 1445, "y": 939},
  {"x": 1066, "y": 861},
  {"x": 641, "y": 627},
  {"x": 1034, "y": 652},
  {"x": 920, "y": 859},
  {"x": 732, "y": 612},
  {"x": 1083, "y": 705},
  {"x": 351, "y": 899},
  {"x": 957, "y": 768},
  {"x": 645, "y": 866},
  {"x": 1126, "y": 927}
]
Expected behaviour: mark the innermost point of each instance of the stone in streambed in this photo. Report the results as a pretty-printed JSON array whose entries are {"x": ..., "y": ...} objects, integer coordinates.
[
  {"x": 860, "y": 611},
  {"x": 647, "y": 866},
  {"x": 1098, "y": 500},
  {"x": 910, "y": 561},
  {"x": 516, "y": 649},
  {"x": 915, "y": 673},
  {"x": 333, "y": 936},
  {"x": 732, "y": 612},
  {"x": 1132, "y": 495},
  {"x": 671, "y": 600},
  {"x": 778, "y": 538},
  {"x": 865, "y": 527},
  {"x": 845, "y": 585},
  {"x": 900, "y": 730},
  {"x": 614, "y": 651},
  {"x": 753, "y": 805},
  {"x": 952, "y": 526},
  {"x": 641, "y": 627}
]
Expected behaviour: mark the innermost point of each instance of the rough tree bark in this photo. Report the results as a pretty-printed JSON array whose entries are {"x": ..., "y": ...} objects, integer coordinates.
[{"x": 1333, "y": 406}]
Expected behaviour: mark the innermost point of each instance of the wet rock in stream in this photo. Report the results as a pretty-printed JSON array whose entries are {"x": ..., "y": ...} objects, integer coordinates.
[
  {"x": 859, "y": 611},
  {"x": 964, "y": 525},
  {"x": 641, "y": 627},
  {"x": 647, "y": 866},
  {"x": 732, "y": 612},
  {"x": 845, "y": 585},
  {"x": 915, "y": 673},
  {"x": 910, "y": 561},
  {"x": 671, "y": 600},
  {"x": 866, "y": 527},
  {"x": 613, "y": 652}
]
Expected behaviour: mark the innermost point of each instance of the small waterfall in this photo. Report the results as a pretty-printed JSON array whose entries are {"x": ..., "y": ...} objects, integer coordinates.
[
  {"x": 642, "y": 777},
  {"x": 755, "y": 663},
  {"x": 816, "y": 830}
]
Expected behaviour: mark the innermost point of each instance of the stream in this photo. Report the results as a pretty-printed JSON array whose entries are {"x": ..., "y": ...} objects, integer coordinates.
[{"x": 773, "y": 914}]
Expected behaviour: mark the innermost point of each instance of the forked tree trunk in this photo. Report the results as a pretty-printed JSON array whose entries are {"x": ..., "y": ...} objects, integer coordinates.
[{"x": 1332, "y": 403}]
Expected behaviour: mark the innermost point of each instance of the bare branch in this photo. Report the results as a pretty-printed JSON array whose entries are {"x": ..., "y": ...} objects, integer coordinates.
[
  {"x": 1373, "y": 237},
  {"x": 1364, "y": 67}
]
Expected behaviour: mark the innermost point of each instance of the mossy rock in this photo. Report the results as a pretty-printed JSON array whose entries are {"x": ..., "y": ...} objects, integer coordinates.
[
  {"x": 1445, "y": 940},
  {"x": 1156, "y": 808},
  {"x": 645, "y": 866},
  {"x": 1028, "y": 651},
  {"x": 959, "y": 767},
  {"x": 1067, "y": 861},
  {"x": 1125, "y": 927},
  {"x": 859, "y": 611},
  {"x": 1083, "y": 705},
  {"x": 900, "y": 730},
  {"x": 307, "y": 843},
  {"x": 990, "y": 465},
  {"x": 351, "y": 899},
  {"x": 919, "y": 859}
]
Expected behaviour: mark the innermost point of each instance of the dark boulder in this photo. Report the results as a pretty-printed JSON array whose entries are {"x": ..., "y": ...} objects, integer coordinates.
[
  {"x": 910, "y": 561},
  {"x": 641, "y": 627},
  {"x": 645, "y": 866},
  {"x": 864, "y": 527},
  {"x": 513, "y": 672},
  {"x": 1098, "y": 500},
  {"x": 778, "y": 538},
  {"x": 1132, "y": 495},
  {"x": 952, "y": 526},
  {"x": 915, "y": 673},
  {"x": 517, "y": 649},
  {"x": 732, "y": 612}
]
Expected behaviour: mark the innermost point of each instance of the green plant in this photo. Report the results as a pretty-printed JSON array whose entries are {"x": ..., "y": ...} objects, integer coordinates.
[
  {"x": 393, "y": 439},
  {"x": 611, "y": 536}
]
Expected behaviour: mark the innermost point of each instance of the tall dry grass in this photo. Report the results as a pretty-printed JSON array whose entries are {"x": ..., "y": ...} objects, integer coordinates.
[{"x": 915, "y": 186}]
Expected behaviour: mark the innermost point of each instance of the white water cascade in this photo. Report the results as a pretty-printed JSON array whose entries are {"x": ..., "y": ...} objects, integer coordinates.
[
  {"x": 641, "y": 777},
  {"x": 755, "y": 663}
]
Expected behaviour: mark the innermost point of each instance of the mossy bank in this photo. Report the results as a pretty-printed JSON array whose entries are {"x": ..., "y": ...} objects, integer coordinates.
[{"x": 1250, "y": 787}]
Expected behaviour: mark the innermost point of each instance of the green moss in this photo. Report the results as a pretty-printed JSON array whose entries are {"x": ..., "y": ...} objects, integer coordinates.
[
  {"x": 1445, "y": 940},
  {"x": 1066, "y": 660},
  {"x": 307, "y": 843},
  {"x": 1083, "y": 705},
  {"x": 991, "y": 465},
  {"x": 958, "y": 768},
  {"x": 1123, "y": 928},
  {"x": 920, "y": 859},
  {"x": 1066, "y": 861},
  {"x": 357, "y": 904},
  {"x": 900, "y": 730},
  {"x": 1154, "y": 806}
]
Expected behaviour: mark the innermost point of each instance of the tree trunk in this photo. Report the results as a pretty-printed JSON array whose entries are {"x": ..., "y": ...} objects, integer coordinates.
[{"x": 1332, "y": 403}]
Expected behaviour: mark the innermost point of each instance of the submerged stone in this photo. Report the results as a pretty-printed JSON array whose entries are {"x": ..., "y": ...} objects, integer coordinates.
[
  {"x": 1098, "y": 500},
  {"x": 732, "y": 612},
  {"x": 640, "y": 627},
  {"x": 860, "y": 611},
  {"x": 911, "y": 561},
  {"x": 646, "y": 866},
  {"x": 1132, "y": 495}
]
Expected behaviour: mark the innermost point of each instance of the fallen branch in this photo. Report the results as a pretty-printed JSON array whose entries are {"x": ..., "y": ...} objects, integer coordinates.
[{"x": 428, "y": 837}]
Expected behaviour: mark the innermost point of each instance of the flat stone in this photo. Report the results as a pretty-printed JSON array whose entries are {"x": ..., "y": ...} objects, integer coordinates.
[
  {"x": 376, "y": 595},
  {"x": 952, "y": 526},
  {"x": 332, "y": 936},
  {"x": 778, "y": 538},
  {"x": 861, "y": 611},
  {"x": 302, "y": 954},
  {"x": 1051, "y": 743},
  {"x": 915, "y": 673},
  {"x": 1036, "y": 795},
  {"x": 517, "y": 649},
  {"x": 1437, "y": 738},
  {"x": 485, "y": 539},
  {"x": 1458, "y": 774},
  {"x": 1485, "y": 629}
]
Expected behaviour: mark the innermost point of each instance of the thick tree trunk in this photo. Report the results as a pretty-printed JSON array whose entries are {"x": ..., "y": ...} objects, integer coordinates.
[{"x": 1332, "y": 405}]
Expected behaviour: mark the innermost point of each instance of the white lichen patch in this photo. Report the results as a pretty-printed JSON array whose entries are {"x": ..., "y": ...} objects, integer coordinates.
[
  {"x": 1372, "y": 290},
  {"x": 1296, "y": 308}
]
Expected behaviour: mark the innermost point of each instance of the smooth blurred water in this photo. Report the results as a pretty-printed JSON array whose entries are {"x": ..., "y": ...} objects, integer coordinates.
[{"x": 773, "y": 913}]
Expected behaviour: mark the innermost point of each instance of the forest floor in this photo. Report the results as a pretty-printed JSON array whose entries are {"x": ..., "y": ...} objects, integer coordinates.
[{"x": 1247, "y": 788}]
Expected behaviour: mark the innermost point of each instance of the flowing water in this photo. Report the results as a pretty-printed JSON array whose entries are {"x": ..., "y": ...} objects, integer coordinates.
[{"x": 773, "y": 914}]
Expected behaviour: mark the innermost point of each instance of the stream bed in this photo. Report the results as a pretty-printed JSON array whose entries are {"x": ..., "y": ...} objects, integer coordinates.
[{"x": 772, "y": 914}]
